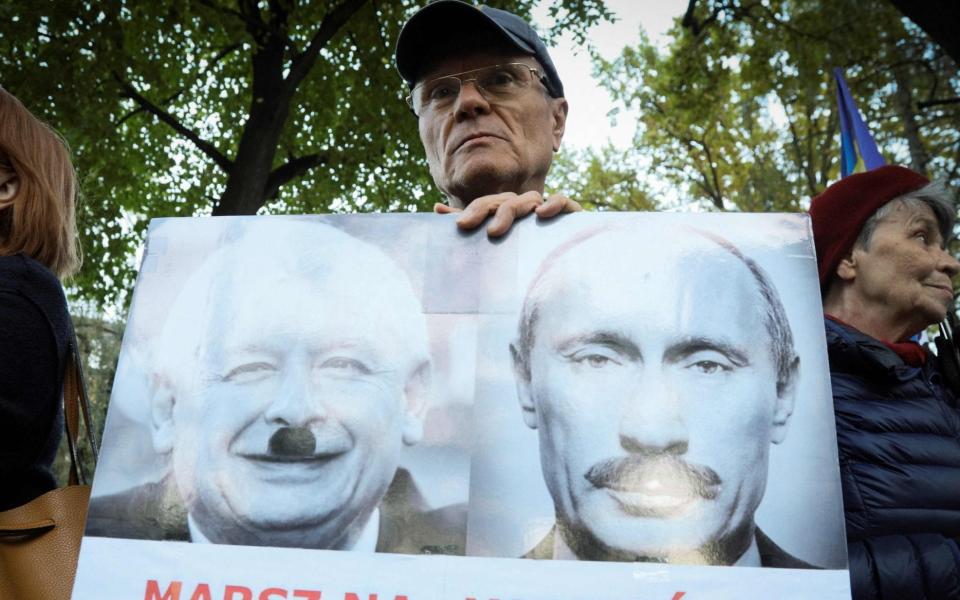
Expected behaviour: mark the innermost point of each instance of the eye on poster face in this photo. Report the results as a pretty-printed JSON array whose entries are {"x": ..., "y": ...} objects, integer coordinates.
[{"x": 381, "y": 406}]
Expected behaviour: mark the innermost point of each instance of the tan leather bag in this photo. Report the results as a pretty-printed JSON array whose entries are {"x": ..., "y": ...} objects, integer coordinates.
[{"x": 40, "y": 540}]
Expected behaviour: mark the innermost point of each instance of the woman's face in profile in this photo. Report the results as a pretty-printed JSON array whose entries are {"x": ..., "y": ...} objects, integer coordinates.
[{"x": 905, "y": 273}]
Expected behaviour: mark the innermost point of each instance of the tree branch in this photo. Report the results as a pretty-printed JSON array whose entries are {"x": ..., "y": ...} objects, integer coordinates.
[
  {"x": 941, "y": 102},
  {"x": 798, "y": 32},
  {"x": 293, "y": 168},
  {"x": 331, "y": 24},
  {"x": 744, "y": 12},
  {"x": 934, "y": 75},
  {"x": 826, "y": 158},
  {"x": 714, "y": 175},
  {"x": 217, "y": 58},
  {"x": 690, "y": 21},
  {"x": 277, "y": 25},
  {"x": 204, "y": 146},
  {"x": 247, "y": 20}
]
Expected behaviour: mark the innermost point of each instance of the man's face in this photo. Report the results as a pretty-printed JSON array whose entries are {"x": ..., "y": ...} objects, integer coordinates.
[
  {"x": 289, "y": 432},
  {"x": 478, "y": 147},
  {"x": 654, "y": 392}
]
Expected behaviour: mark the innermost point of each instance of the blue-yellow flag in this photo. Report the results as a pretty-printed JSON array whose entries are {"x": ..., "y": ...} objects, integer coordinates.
[{"x": 858, "y": 151}]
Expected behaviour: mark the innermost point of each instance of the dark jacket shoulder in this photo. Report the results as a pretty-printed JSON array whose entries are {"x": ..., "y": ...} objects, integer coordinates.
[
  {"x": 409, "y": 526},
  {"x": 772, "y": 555},
  {"x": 151, "y": 511},
  {"x": 34, "y": 336}
]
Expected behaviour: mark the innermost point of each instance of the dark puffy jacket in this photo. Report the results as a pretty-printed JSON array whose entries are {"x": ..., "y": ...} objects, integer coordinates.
[{"x": 898, "y": 432}]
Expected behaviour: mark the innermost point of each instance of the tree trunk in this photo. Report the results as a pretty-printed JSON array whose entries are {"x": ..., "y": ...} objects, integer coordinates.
[
  {"x": 269, "y": 108},
  {"x": 246, "y": 186},
  {"x": 911, "y": 130},
  {"x": 251, "y": 180}
]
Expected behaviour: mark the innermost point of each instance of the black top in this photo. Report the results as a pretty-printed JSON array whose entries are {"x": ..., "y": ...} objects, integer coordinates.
[{"x": 34, "y": 334}]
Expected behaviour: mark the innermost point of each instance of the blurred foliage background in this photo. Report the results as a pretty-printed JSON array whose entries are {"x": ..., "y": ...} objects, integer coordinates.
[{"x": 209, "y": 107}]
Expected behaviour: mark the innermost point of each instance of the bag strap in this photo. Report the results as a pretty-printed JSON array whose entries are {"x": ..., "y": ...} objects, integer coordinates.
[
  {"x": 26, "y": 530},
  {"x": 75, "y": 401}
]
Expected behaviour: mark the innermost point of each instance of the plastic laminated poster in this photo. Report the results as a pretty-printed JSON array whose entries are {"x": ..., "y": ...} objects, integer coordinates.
[{"x": 629, "y": 406}]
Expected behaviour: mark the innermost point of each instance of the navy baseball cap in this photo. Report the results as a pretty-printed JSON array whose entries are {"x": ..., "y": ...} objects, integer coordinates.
[{"x": 445, "y": 18}]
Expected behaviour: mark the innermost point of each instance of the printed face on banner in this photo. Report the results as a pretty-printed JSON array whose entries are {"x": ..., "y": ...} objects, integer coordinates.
[
  {"x": 287, "y": 428},
  {"x": 650, "y": 371}
]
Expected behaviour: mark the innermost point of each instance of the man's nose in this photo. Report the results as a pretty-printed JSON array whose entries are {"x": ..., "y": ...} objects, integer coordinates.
[
  {"x": 470, "y": 101},
  {"x": 296, "y": 404},
  {"x": 652, "y": 421}
]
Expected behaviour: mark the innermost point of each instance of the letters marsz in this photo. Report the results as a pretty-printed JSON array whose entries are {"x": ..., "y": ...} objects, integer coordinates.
[{"x": 176, "y": 591}]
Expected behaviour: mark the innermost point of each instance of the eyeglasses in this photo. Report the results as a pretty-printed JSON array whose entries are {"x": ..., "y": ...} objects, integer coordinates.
[{"x": 496, "y": 83}]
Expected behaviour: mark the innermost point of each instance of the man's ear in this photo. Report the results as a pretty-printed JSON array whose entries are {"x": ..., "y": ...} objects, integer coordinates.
[
  {"x": 416, "y": 398},
  {"x": 521, "y": 372},
  {"x": 786, "y": 399},
  {"x": 9, "y": 187},
  {"x": 161, "y": 415},
  {"x": 559, "y": 106}
]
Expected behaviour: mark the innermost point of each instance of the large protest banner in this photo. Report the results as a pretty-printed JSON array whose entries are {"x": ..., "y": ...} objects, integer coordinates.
[{"x": 616, "y": 406}]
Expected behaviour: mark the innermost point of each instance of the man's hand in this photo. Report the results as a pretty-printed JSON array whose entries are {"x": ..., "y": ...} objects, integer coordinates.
[{"x": 507, "y": 208}]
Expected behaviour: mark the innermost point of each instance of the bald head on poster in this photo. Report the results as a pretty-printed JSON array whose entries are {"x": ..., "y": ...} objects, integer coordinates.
[
  {"x": 292, "y": 369},
  {"x": 657, "y": 369}
]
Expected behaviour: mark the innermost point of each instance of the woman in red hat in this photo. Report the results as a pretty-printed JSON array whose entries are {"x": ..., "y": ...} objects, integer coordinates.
[{"x": 886, "y": 275}]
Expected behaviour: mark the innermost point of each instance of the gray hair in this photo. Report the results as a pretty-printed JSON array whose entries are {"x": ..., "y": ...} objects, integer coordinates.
[
  {"x": 934, "y": 194},
  {"x": 775, "y": 316}
]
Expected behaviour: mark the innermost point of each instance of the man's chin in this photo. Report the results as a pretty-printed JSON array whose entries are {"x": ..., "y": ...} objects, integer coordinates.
[
  {"x": 284, "y": 529},
  {"x": 639, "y": 539},
  {"x": 481, "y": 176},
  {"x": 279, "y": 521},
  {"x": 635, "y": 544}
]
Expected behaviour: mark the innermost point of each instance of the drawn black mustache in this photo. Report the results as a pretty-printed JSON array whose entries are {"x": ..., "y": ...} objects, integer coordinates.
[
  {"x": 293, "y": 442},
  {"x": 634, "y": 473}
]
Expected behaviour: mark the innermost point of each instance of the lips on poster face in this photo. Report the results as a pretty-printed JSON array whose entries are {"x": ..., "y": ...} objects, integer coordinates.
[{"x": 657, "y": 487}]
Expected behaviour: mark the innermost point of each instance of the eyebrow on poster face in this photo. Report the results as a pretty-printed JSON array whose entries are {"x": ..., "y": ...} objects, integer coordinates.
[
  {"x": 283, "y": 344},
  {"x": 614, "y": 340},
  {"x": 366, "y": 356},
  {"x": 686, "y": 347},
  {"x": 689, "y": 346}
]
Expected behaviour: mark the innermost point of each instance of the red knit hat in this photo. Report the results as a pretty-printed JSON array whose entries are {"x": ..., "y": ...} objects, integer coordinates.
[{"x": 838, "y": 214}]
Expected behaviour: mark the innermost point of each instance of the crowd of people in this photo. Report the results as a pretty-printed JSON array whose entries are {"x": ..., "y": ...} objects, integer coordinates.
[{"x": 491, "y": 113}]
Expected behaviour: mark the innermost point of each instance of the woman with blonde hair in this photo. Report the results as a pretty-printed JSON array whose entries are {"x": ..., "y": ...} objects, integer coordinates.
[{"x": 38, "y": 247}]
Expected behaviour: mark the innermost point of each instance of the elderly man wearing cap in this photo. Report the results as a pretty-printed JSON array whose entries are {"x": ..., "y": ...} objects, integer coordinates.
[
  {"x": 491, "y": 111},
  {"x": 886, "y": 275}
]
